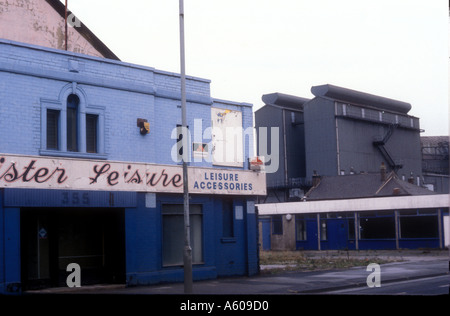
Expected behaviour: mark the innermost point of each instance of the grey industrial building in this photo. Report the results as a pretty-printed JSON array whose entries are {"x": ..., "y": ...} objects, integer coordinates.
[{"x": 343, "y": 132}]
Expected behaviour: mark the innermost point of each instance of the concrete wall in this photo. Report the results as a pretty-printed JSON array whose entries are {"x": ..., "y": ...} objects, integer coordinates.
[{"x": 286, "y": 241}]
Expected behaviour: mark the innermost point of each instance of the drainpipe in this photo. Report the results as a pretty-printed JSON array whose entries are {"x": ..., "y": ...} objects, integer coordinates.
[
  {"x": 337, "y": 140},
  {"x": 356, "y": 231},
  {"x": 318, "y": 231},
  {"x": 440, "y": 228},
  {"x": 285, "y": 154},
  {"x": 397, "y": 246}
]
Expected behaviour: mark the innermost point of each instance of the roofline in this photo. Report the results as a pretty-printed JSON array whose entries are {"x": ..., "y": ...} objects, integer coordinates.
[
  {"x": 360, "y": 205},
  {"x": 84, "y": 31},
  {"x": 353, "y": 96}
]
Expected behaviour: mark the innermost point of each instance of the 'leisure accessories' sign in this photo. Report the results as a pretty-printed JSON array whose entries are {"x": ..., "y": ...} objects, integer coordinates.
[{"x": 76, "y": 174}]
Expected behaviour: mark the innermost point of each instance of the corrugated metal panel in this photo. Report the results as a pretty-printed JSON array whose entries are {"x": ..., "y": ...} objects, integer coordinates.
[{"x": 68, "y": 198}]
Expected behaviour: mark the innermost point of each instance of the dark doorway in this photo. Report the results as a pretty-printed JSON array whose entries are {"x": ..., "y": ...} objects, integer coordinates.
[{"x": 51, "y": 239}]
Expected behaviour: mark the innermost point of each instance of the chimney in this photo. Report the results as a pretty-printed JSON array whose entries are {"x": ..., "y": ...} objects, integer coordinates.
[
  {"x": 383, "y": 172},
  {"x": 315, "y": 179},
  {"x": 411, "y": 178}
]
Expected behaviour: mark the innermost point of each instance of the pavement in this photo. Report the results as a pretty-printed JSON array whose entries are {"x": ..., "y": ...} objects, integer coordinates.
[{"x": 407, "y": 265}]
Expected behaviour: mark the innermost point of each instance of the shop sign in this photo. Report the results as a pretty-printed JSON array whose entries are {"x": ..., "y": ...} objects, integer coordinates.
[{"x": 80, "y": 174}]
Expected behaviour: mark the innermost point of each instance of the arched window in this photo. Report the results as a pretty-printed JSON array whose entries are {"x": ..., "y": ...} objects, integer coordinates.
[
  {"x": 71, "y": 127},
  {"x": 73, "y": 102}
]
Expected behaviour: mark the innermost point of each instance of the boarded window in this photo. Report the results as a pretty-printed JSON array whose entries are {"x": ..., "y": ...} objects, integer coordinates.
[
  {"x": 227, "y": 137},
  {"x": 173, "y": 233}
]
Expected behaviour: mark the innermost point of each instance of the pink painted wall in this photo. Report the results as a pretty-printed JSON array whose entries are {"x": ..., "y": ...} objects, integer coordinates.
[{"x": 36, "y": 22}]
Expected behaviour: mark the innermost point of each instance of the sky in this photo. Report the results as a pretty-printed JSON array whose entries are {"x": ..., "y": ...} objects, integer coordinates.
[{"x": 397, "y": 49}]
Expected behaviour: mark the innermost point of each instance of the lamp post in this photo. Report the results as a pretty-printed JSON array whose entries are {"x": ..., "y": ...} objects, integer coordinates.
[{"x": 187, "y": 253}]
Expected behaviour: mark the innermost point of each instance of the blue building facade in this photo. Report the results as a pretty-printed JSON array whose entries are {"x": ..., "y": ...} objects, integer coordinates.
[{"x": 62, "y": 113}]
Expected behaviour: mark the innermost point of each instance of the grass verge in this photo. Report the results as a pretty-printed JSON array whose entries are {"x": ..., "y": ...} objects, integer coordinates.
[{"x": 282, "y": 261}]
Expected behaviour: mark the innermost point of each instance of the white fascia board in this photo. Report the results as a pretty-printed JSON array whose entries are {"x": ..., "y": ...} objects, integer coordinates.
[{"x": 351, "y": 205}]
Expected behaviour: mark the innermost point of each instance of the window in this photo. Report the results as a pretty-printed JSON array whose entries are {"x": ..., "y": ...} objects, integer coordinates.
[
  {"x": 71, "y": 127},
  {"x": 91, "y": 133},
  {"x": 277, "y": 225},
  {"x": 72, "y": 122},
  {"x": 300, "y": 229},
  {"x": 323, "y": 229},
  {"x": 377, "y": 227},
  {"x": 173, "y": 234},
  {"x": 52, "y": 129},
  {"x": 419, "y": 224},
  {"x": 351, "y": 228},
  {"x": 227, "y": 219},
  {"x": 227, "y": 137}
]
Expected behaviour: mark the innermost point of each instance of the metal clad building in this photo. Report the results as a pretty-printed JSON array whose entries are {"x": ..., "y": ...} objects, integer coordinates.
[
  {"x": 350, "y": 130},
  {"x": 351, "y": 140}
]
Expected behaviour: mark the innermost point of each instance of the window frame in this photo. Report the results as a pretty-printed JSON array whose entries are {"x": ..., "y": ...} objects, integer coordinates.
[
  {"x": 228, "y": 208},
  {"x": 56, "y": 126},
  {"x": 83, "y": 109},
  {"x": 179, "y": 213},
  {"x": 94, "y": 137},
  {"x": 277, "y": 224}
]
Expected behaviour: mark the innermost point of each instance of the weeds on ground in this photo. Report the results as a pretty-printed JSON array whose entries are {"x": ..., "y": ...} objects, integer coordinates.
[{"x": 296, "y": 261}]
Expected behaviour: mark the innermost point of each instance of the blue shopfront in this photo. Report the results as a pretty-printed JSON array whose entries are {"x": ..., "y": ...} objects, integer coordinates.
[
  {"x": 128, "y": 238},
  {"x": 405, "y": 229},
  {"x": 90, "y": 173},
  {"x": 358, "y": 224}
]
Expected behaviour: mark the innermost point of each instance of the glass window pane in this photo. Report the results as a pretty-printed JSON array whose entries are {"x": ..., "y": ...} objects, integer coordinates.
[
  {"x": 301, "y": 229},
  {"x": 72, "y": 122},
  {"x": 52, "y": 129},
  {"x": 323, "y": 229},
  {"x": 227, "y": 218},
  {"x": 377, "y": 227},
  {"x": 277, "y": 225},
  {"x": 419, "y": 227},
  {"x": 351, "y": 228},
  {"x": 173, "y": 233},
  {"x": 91, "y": 133}
]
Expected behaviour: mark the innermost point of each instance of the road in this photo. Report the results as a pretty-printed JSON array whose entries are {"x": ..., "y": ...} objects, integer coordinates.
[
  {"x": 438, "y": 285},
  {"x": 421, "y": 277}
]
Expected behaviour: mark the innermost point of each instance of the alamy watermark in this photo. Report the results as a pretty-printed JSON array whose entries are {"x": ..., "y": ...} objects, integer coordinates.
[
  {"x": 374, "y": 278},
  {"x": 73, "y": 21},
  {"x": 74, "y": 278},
  {"x": 225, "y": 145}
]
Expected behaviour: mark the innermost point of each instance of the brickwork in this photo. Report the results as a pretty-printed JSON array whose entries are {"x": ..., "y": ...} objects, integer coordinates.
[{"x": 35, "y": 79}]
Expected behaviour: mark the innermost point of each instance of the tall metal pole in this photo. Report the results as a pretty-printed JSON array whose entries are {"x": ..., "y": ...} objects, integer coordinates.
[{"x": 187, "y": 254}]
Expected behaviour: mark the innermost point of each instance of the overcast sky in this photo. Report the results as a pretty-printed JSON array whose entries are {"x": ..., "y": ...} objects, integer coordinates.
[{"x": 392, "y": 48}]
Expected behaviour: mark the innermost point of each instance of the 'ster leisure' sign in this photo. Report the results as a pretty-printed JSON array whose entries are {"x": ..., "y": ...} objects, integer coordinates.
[{"x": 79, "y": 174}]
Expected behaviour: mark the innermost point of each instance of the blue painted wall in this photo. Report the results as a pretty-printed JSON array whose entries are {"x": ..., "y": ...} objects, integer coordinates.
[
  {"x": 338, "y": 237},
  {"x": 34, "y": 79}
]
